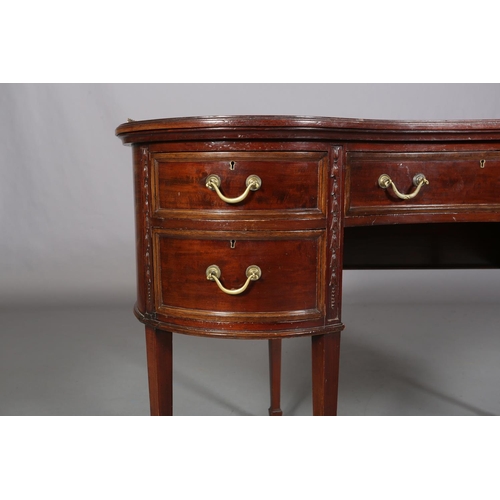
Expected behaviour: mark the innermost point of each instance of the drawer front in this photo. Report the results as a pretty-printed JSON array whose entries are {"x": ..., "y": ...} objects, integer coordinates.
[
  {"x": 291, "y": 283},
  {"x": 290, "y": 181},
  {"x": 457, "y": 181}
]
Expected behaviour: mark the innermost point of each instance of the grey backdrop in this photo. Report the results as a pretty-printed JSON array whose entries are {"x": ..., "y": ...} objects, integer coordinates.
[{"x": 66, "y": 216}]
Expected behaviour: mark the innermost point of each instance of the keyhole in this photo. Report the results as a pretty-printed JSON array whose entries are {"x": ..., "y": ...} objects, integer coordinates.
[
  {"x": 481, "y": 163},
  {"x": 232, "y": 243},
  {"x": 231, "y": 165}
]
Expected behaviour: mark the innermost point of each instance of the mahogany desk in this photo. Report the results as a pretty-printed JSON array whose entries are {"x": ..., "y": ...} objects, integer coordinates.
[{"x": 244, "y": 225}]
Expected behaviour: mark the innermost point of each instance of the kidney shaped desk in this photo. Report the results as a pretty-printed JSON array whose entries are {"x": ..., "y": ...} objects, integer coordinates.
[{"x": 244, "y": 225}]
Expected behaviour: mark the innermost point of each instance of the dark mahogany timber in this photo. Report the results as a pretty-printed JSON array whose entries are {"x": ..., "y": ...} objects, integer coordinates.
[
  {"x": 325, "y": 373},
  {"x": 275, "y": 377},
  {"x": 159, "y": 356},
  {"x": 318, "y": 209}
]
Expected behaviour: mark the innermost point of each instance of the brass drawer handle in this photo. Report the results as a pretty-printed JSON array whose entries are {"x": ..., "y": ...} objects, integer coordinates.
[
  {"x": 253, "y": 183},
  {"x": 213, "y": 274},
  {"x": 384, "y": 181}
]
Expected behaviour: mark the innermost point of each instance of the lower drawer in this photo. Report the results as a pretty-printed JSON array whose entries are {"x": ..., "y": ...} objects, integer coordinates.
[{"x": 290, "y": 286}]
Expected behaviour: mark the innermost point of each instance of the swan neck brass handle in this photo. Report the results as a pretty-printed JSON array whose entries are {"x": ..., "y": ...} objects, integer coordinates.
[
  {"x": 253, "y": 183},
  {"x": 384, "y": 181},
  {"x": 213, "y": 273}
]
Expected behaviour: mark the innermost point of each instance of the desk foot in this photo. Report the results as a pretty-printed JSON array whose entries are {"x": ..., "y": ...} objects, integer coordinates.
[
  {"x": 275, "y": 377},
  {"x": 159, "y": 356},
  {"x": 275, "y": 412},
  {"x": 325, "y": 373}
]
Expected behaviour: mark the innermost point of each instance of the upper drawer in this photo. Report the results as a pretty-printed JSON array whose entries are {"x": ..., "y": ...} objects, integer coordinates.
[
  {"x": 291, "y": 181},
  {"x": 457, "y": 181}
]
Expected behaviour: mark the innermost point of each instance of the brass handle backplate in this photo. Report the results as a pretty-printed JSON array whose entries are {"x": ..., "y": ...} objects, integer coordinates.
[
  {"x": 384, "y": 181},
  {"x": 213, "y": 273},
  {"x": 253, "y": 183}
]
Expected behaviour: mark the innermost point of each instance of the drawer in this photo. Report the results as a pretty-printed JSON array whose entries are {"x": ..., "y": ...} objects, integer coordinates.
[
  {"x": 291, "y": 283},
  {"x": 457, "y": 181},
  {"x": 286, "y": 181}
]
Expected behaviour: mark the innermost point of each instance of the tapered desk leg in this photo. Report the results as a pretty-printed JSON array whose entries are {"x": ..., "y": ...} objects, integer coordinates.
[
  {"x": 159, "y": 356},
  {"x": 275, "y": 377},
  {"x": 325, "y": 373}
]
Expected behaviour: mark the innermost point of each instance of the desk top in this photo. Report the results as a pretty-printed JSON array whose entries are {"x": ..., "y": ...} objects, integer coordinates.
[{"x": 309, "y": 127}]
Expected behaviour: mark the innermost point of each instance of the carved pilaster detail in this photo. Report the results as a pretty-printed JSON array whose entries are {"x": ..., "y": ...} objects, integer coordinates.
[
  {"x": 147, "y": 230},
  {"x": 334, "y": 226}
]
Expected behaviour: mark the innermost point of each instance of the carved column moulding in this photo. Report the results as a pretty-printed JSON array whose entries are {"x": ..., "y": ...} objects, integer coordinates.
[
  {"x": 334, "y": 229},
  {"x": 147, "y": 232}
]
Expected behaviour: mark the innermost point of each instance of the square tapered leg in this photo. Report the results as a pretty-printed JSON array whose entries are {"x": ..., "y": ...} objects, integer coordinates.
[
  {"x": 159, "y": 357},
  {"x": 325, "y": 373}
]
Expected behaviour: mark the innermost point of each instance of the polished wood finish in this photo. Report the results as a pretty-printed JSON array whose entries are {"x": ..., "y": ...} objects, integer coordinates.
[
  {"x": 285, "y": 289},
  {"x": 319, "y": 208},
  {"x": 160, "y": 366},
  {"x": 275, "y": 377},
  {"x": 175, "y": 246},
  {"x": 458, "y": 181},
  {"x": 325, "y": 373},
  {"x": 292, "y": 182}
]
